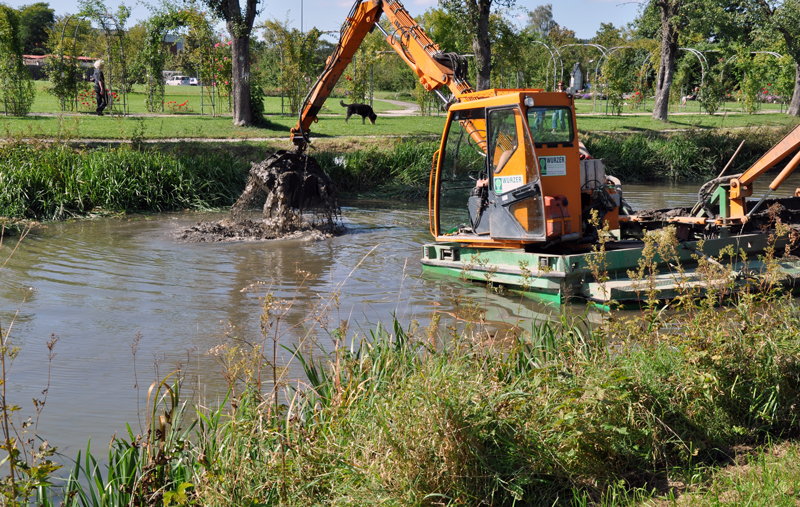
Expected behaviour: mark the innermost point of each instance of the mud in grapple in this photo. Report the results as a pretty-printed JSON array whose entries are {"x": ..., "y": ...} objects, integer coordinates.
[{"x": 294, "y": 196}]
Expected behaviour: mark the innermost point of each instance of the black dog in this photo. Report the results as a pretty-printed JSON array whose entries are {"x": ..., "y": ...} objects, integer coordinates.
[{"x": 362, "y": 110}]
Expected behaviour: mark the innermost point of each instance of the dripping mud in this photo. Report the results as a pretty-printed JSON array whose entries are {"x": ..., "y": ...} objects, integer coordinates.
[{"x": 295, "y": 199}]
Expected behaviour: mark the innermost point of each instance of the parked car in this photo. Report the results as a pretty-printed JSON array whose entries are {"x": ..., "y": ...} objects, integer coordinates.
[
  {"x": 179, "y": 81},
  {"x": 193, "y": 81}
]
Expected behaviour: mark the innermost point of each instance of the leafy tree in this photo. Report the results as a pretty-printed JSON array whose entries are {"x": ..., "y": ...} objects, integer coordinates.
[
  {"x": 16, "y": 85},
  {"x": 296, "y": 51},
  {"x": 540, "y": 20},
  {"x": 239, "y": 23},
  {"x": 781, "y": 18},
  {"x": 608, "y": 36},
  {"x": 446, "y": 29},
  {"x": 507, "y": 43},
  {"x": 560, "y": 35},
  {"x": 34, "y": 22},
  {"x": 682, "y": 20},
  {"x": 476, "y": 13}
]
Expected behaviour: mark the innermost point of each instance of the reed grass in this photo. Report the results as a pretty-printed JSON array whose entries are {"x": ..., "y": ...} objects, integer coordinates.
[
  {"x": 404, "y": 163},
  {"x": 695, "y": 155},
  {"x": 561, "y": 415},
  {"x": 58, "y": 181}
]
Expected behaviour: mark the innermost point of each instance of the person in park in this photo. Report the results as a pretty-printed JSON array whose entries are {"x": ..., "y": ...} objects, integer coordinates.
[
  {"x": 560, "y": 115},
  {"x": 100, "y": 86},
  {"x": 693, "y": 96}
]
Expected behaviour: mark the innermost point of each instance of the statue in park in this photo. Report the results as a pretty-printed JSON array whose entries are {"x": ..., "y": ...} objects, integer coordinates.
[{"x": 576, "y": 78}]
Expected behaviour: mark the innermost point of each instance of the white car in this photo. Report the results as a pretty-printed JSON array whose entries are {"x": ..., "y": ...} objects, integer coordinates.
[
  {"x": 193, "y": 81},
  {"x": 179, "y": 81}
]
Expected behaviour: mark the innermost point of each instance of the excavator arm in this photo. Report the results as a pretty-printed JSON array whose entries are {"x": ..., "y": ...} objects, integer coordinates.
[
  {"x": 741, "y": 187},
  {"x": 434, "y": 68}
]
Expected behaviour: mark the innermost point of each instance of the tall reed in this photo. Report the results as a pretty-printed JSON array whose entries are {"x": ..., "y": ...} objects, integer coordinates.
[
  {"x": 56, "y": 182},
  {"x": 692, "y": 156}
]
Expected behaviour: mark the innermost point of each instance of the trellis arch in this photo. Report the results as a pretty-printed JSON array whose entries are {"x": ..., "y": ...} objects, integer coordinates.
[
  {"x": 66, "y": 75},
  {"x": 158, "y": 27},
  {"x": 111, "y": 26}
]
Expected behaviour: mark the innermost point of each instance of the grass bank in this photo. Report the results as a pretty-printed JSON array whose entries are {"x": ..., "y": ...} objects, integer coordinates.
[
  {"x": 56, "y": 181},
  {"x": 556, "y": 414},
  {"x": 695, "y": 155},
  {"x": 61, "y": 181},
  {"x": 46, "y": 181}
]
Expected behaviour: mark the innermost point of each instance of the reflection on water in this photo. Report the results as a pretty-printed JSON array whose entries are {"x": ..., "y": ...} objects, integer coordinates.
[{"x": 100, "y": 283}]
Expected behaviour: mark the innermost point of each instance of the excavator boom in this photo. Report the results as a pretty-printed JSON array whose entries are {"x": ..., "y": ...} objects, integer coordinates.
[{"x": 434, "y": 68}]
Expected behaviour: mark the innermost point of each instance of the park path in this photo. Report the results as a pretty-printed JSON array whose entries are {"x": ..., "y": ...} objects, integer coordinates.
[{"x": 409, "y": 108}]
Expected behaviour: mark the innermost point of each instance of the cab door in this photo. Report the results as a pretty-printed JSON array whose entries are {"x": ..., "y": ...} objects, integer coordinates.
[{"x": 516, "y": 202}]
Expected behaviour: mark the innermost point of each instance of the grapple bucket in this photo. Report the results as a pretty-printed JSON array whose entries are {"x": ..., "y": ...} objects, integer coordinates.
[{"x": 284, "y": 186}]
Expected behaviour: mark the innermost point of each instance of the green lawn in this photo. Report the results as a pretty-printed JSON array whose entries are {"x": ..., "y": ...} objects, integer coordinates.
[
  {"x": 588, "y": 106},
  {"x": 87, "y": 125},
  {"x": 137, "y": 101}
]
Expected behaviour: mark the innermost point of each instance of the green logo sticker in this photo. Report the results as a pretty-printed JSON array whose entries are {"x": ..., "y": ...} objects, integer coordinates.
[
  {"x": 553, "y": 166},
  {"x": 498, "y": 185}
]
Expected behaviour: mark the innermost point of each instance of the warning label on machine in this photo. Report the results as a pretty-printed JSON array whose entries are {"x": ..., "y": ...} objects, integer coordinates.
[
  {"x": 553, "y": 166},
  {"x": 504, "y": 184}
]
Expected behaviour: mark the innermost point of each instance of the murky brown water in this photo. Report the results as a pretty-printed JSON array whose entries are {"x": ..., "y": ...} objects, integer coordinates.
[{"x": 99, "y": 283}]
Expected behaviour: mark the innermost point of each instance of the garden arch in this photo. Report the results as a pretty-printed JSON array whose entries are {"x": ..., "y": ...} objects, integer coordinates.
[
  {"x": 111, "y": 25},
  {"x": 703, "y": 65},
  {"x": 67, "y": 79},
  {"x": 732, "y": 58}
]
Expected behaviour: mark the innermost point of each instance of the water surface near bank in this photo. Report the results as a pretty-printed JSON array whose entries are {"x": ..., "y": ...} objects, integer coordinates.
[{"x": 100, "y": 283}]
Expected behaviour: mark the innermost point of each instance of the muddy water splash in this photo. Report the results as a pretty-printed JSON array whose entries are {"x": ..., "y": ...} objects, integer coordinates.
[{"x": 295, "y": 198}]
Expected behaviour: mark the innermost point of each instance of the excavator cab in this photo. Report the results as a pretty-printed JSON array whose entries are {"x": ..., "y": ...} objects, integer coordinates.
[{"x": 526, "y": 172}]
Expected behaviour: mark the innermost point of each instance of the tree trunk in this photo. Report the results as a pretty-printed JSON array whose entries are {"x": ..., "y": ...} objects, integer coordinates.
[
  {"x": 794, "y": 107},
  {"x": 240, "y": 87},
  {"x": 482, "y": 47},
  {"x": 666, "y": 69}
]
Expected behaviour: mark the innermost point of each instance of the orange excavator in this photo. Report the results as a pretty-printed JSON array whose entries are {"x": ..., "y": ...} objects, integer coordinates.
[
  {"x": 519, "y": 146},
  {"x": 537, "y": 204}
]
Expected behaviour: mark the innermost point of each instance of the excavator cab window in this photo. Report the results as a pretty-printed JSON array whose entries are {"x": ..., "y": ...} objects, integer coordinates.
[
  {"x": 519, "y": 213},
  {"x": 462, "y": 165},
  {"x": 551, "y": 125}
]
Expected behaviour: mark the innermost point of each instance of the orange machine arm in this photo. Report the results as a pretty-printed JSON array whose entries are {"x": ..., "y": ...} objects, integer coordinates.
[
  {"x": 741, "y": 187},
  {"x": 434, "y": 68}
]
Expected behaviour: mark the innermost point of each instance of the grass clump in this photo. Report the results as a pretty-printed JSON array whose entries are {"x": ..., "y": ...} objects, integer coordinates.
[{"x": 58, "y": 181}]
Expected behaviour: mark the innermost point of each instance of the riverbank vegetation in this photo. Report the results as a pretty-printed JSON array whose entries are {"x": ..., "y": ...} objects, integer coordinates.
[
  {"x": 61, "y": 180},
  {"x": 58, "y": 181},
  {"x": 653, "y": 406},
  {"x": 695, "y": 155}
]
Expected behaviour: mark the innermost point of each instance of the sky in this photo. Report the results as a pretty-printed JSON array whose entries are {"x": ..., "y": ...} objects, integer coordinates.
[{"x": 581, "y": 16}]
